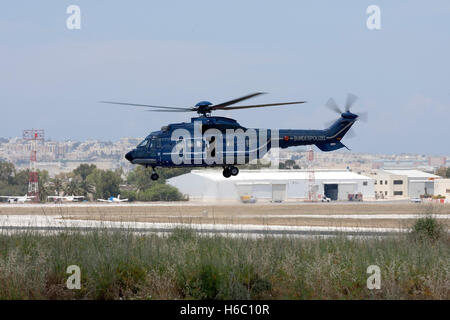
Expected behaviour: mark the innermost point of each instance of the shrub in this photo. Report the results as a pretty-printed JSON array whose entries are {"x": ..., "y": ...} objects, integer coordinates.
[
  {"x": 160, "y": 192},
  {"x": 427, "y": 228}
]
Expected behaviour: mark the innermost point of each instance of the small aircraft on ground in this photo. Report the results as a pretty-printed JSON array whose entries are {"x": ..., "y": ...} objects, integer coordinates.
[
  {"x": 113, "y": 199},
  {"x": 18, "y": 199},
  {"x": 71, "y": 198},
  {"x": 210, "y": 141}
]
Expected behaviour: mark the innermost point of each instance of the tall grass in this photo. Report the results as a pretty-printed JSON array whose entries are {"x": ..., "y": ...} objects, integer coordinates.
[{"x": 184, "y": 265}]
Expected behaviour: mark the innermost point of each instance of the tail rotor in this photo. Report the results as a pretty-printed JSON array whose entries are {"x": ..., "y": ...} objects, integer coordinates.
[{"x": 351, "y": 99}]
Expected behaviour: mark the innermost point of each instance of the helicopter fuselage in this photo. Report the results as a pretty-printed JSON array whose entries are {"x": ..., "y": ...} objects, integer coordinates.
[{"x": 220, "y": 141}]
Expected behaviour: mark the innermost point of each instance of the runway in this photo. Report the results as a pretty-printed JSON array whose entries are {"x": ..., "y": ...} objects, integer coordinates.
[
  {"x": 231, "y": 219},
  {"x": 58, "y": 223}
]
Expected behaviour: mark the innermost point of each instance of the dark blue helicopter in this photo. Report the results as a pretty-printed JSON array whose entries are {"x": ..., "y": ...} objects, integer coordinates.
[{"x": 210, "y": 141}]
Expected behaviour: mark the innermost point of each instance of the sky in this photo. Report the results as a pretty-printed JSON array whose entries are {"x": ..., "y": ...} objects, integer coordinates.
[{"x": 176, "y": 53}]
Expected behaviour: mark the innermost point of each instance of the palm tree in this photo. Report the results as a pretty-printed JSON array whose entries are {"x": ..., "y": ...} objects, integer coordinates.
[
  {"x": 74, "y": 187},
  {"x": 87, "y": 187},
  {"x": 58, "y": 184}
]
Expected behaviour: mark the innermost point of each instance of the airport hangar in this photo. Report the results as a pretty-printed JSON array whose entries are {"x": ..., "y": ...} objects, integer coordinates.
[{"x": 272, "y": 185}]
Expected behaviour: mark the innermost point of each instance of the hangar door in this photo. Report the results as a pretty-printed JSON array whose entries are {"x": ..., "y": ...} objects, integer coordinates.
[
  {"x": 331, "y": 190},
  {"x": 278, "y": 192},
  {"x": 345, "y": 189},
  {"x": 244, "y": 189},
  {"x": 418, "y": 188},
  {"x": 262, "y": 190}
]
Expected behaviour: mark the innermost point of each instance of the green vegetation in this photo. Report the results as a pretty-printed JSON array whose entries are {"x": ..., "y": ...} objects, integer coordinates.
[
  {"x": 288, "y": 164},
  {"x": 427, "y": 229},
  {"x": 156, "y": 192},
  {"x": 11, "y": 180},
  {"x": 443, "y": 172},
  {"x": 93, "y": 183},
  {"x": 185, "y": 265}
]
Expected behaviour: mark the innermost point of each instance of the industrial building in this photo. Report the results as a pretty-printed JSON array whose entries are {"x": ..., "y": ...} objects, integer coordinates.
[
  {"x": 272, "y": 185},
  {"x": 442, "y": 187},
  {"x": 405, "y": 183},
  {"x": 389, "y": 185}
]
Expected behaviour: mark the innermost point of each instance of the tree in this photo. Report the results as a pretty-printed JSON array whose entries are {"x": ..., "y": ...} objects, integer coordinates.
[
  {"x": 45, "y": 185},
  {"x": 7, "y": 172},
  {"x": 12, "y": 182},
  {"x": 140, "y": 176},
  {"x": 443, "y": 172},
  {"x": 160, "y": 192},
  {"x": 289, "y": 163},
  {"x": 106, "y": 183},
  {"x": 21, "y": 182},
  {"x": 73, "y": 186},
  {"x": 84, "y": 170},
  {"x": 57, "y": 184}
]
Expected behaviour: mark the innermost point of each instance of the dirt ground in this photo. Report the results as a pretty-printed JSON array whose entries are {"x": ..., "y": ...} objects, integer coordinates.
[{"x": 261, "y": 214}]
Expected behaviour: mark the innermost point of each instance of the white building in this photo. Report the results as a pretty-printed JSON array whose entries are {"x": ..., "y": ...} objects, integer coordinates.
[
  {"x": 389, "y": 185},
  {"x": 419, "y": 182},
  {"x": 271, "y": 185}
]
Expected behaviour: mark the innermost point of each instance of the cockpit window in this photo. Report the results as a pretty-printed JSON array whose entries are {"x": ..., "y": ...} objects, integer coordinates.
[
  {"x": 142, "y": 144},
  {"x": 155, "y": 143}
]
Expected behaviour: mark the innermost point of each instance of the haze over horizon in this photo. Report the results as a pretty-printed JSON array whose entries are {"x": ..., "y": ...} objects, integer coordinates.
[{"x": 177, "y": 53}]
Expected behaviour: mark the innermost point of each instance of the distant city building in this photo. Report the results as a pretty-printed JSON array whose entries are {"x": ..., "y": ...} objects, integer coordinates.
[
  {"x": 437, "y": 161},
  {"x": 64, "y": 156}
]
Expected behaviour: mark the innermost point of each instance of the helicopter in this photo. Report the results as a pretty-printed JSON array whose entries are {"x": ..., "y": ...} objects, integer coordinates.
[{"x": 211, "y": 141}]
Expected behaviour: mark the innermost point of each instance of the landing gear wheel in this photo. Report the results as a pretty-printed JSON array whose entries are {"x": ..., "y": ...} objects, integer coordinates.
[
  {"x": 234, "y": 171},
  {"x": 226, "y": 172},
  {"x": 154, "y": 176}
]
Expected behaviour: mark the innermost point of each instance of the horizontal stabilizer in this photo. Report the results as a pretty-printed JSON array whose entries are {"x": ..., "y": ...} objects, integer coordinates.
[{"x": 330, "y": 146}]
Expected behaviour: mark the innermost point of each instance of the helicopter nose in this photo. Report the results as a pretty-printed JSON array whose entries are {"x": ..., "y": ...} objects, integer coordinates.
[{"x": 129, "y": 156}]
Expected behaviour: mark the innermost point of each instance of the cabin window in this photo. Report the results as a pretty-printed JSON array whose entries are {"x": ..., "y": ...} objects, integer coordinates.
[
  {"x": 155, "y": 143},
  {"x": 142, "y": 144}
]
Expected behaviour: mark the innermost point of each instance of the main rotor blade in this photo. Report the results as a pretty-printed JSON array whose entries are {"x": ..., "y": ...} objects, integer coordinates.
[
  {"x": 170, "y": 110},
  {"x": 261, "y": 105},
  {"x": 146, "y": 105},
  {"x": 230, "y": 102},
  {"x": 351, "y": 98},
  {"x": 331, "y": 104}
]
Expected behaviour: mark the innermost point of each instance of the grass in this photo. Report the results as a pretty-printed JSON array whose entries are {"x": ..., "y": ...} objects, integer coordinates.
[{"x": 184, "y": 265}]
